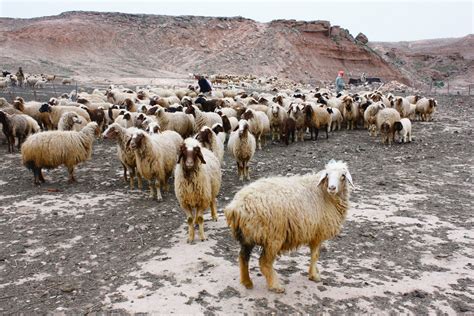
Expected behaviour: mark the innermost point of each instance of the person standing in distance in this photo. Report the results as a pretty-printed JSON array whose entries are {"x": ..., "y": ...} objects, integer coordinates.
[
  {"x": 204, "y": 85},
  {"x": 340, "y": 82}
]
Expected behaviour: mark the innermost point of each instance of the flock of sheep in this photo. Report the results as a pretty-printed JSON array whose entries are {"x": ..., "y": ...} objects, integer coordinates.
[
  {"x": 163, "y": 133},
  {"x": 36, "y": 81}
]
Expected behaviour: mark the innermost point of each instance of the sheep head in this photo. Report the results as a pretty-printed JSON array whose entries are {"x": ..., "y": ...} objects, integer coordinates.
[
  {"x": 76, "y": 119},
  {"x": 275, "y": 110},
  {"x": 243, "y": 128},
  {"x": 137, "y": 140},
  {"x": 398, "y": 126},
  {"x": 205, "y": 136},
  {"x": 190, "y": 110},
  {"x": 335, "y": 177},
  {"x": 129, "y": 104},
  {"x": 248, "y": 115},
  {"x": 190, "y": 154},
  {"x": 45, "y": 107},
  {"x": 218, "y": 128},
  {"x": 112, "y": 131},
  {"x": 153, "y": 128},
  {"x": 432, "y": 103},
  {"x": 53, "y": 101},
  {"x": 385, "y": 127},
  {"x": 330, "y": 111}
]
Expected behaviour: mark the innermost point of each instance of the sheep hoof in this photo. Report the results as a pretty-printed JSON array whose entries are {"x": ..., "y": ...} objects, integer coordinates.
[
  {"x": 190, "y": 241},
  {"x": 315, "y": 278},
  {"x": 248, "y": 284},
  {"x": 278, "y": 289}
]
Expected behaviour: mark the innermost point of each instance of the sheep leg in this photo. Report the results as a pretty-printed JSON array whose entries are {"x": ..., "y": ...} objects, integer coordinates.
[
  {"x": 158, "y": 190},
  {"x": 266, "y": 266},
  {"x": 190, "y": 226},
  {"x": 316, "y": 133},
  {"x": 313, "y": 269},
  {"x": 36, "y": 173},
  {"x": 70, "y": 169},
  {"x": 246, "y": 170},
  {"x": 125, "y": 174},
  {"x": 327, "y": 131},
  {"x": 40, "y": 175},
  {"x": 200, "y": 222},
  {"x": 244, "y": 257},
  {"x": 152, "y": 189},
  {"x": 139, "y": 180},
  {"x": 240, "y": 170},
  {"x": 214, "y": 209}
]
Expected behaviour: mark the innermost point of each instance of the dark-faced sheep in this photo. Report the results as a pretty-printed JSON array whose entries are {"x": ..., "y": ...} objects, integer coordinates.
[{"x": 197, "y": 181}]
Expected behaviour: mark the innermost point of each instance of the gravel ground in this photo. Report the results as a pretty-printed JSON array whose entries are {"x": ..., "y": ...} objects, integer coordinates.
[{"x": 407, "y": 245}]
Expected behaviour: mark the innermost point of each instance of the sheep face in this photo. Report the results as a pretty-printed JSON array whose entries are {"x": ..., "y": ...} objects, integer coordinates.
[
  {"x": 397, "y": 126},
  {"x": 136, "y": 140},
  {"x": 335, "y": 177},
  {"x": 204, "y": 136},
  {"x": 243, "y": 128},
  {"x": 76, "y": 120},
  {"x": 45, "y": 107},
  {"x": 110, "y": 133},
  {"x": 275, "y": 110},
  {"x": 128, "y": 104},
  {"x": 153, "y": 128},
  {"x": 385, "y": 128},
  {"x": 53, "y": 101},
  {"x": 248, "y": 115},
  {"x": 218, "y": 128},
  {"x": 190, "y": 110},
  {"x": 432, "y": 103},
  {"x": 190, "y": 156}
]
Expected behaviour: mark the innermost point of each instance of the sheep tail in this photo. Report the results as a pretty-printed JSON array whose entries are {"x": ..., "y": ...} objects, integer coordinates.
[{"x": 233, "y": 220}]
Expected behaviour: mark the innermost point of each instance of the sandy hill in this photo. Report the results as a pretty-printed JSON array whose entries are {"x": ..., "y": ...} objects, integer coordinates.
[
  {"x": 436, "y": 59},
  {"x": 109, "y": 45}
]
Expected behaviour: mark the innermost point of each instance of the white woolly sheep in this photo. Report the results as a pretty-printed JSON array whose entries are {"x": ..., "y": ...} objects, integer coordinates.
[
  {"x": 336, "y": 118},
  {"x": 125, "y": 154},
  {"x": 402, "y": 106},
  {"x": 385, "y": 121},
  {"x": 242, "y": 147},
  {"x": 68, "y": 120},
  {"x": 296, "y": 112},
  {"x": 403, "y": 130},
  {"x": 32, "y": 109},
  {"x": 259, "y": 125},
  {"x": 197, "y": 181},
  {"x": 179, "y": 122},
  {"x": 54, "y": 148},
  {"x": 55, "y": 113},
  {"x": 276, "y": 114},
  {"x": 201, "y": 118},
  {"x": 282, "y": 213},
  {"x": 209, "y": 140},
  {"x": 155, "y": 156},
  {"x": 317, "y": 117},
  {"x": 425, "y": 108},
  {"x": 350, "y": 112}
]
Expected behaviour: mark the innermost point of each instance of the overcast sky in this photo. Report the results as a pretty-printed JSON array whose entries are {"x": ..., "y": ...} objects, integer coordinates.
[{"x": 379, "y": 20}]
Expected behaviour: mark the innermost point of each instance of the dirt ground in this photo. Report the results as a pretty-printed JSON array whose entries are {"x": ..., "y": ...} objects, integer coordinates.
[{"x": 407, "y": 245}]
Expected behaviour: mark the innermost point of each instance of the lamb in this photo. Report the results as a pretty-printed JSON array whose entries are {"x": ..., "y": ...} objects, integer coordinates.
[
  {"x": 209, "y": 140},
  {"x": 202, "y": 119},
  {"x": 19, "y": 126},
  {"x": 259, "y": 125},
  {"x": 403, "y": 129},
  {"x": 241, "y": 146},
  {"x": 179, "y": 122},
  {"x": 124, "y": 152},
  {"x": 317, "y": 117},
  {"x": 68, "y": 120},
  {"x": 282, "y": 213},
  {"x": 288, "y": 130},
  {"x": 197, "y": 181},
  {"x": 155, "y": 156},
  {"x": 385, "y": 121},
  {"x": 336, "y": 118},
  {"x": 277, "y": 115},
  {"x": 54, "y": 148},
  {"x": 209, "y": 105},
  {"x": 425, "y": 108},
  {"x": 229, "y": 123}
]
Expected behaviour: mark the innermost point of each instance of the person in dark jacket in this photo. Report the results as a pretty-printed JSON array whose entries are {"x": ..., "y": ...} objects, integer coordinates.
[
  {"x": 204, "y": 84},
  {"x": 20, "y": 76}
]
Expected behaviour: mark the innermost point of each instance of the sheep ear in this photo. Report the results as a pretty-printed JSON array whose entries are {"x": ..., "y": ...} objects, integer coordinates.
[
  {"x": 349, "y": 178},
  {"x": 199, "y": 154},
  {"x": 322, "y": 177}
]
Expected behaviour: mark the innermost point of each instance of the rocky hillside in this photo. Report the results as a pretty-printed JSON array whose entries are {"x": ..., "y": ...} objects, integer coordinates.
[
  {"x": 108, "y": 45},
  {"x": 450, "y": 59}
]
